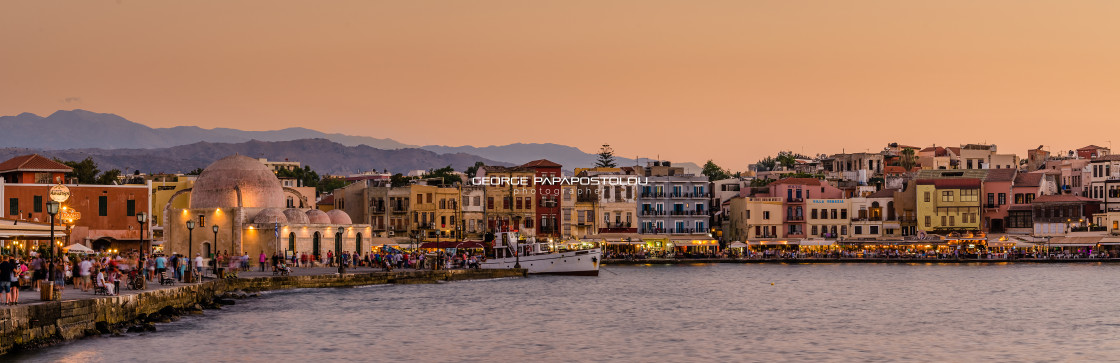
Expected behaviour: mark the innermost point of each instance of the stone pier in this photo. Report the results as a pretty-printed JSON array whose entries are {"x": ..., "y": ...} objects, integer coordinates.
[{"x": 36, "y": 325}]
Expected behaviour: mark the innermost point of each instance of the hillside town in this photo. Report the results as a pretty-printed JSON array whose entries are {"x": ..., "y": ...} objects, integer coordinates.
[{"x": 970, "y": 200}]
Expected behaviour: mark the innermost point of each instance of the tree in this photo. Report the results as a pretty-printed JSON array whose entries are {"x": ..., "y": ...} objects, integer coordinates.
[
  {"x": 908, "y": 160},
  {"x": 196, "y": 171},
  {"x": 326, "y": 185},
  {"x": 606, "y": 157},
  {"x": 399, "y": 180},
  {"x": 767, "y": 164},
  {"x": 306, "y": 176},
  {"x": 446, "y": 175},
  {"x": 87, "y": 172},
  {"x": 472, "y": 171},
  {"x": 714, "y": 172},
  {"x": 787, "y": 159}
]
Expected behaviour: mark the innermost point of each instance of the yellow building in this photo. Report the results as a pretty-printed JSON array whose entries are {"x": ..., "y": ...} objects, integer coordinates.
[
  {"x": 434, "y": 211},
  {"x": 948, "y": 205},
  {"x": 754, "y": 218},
  {"x": 578, "y": 212},
  {"x": 509, "y": 198}
]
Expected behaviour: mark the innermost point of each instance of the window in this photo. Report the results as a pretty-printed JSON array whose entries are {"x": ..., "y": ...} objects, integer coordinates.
[
  {"x": 814, "y": 214},
  {"x": 833, "y": 214},
  {"x": 518, "y": 202},
  {"x": 970, "y": 195},
  {"x": 952, "y": 221},
  {"x": 928, "y": 222},
  {"x": 844, "y": 230},
  {"x": 130, "y": 207},
  {"x": 858, "y": 229},
  {"x": 991, "y": 198},
  {"x": 13, "y": 206},
  {"x": 489, "y": 202},
  {"x": 429, "y": 197},
  {"x": 874, "y": 229},
  {"x": 1002, "y": 198},
  {"x": 38, "y": 203},
  {"x": 103, "y": 206},
  {"x": 947, "y": 196},
  {"x": 944, "y": 221},
  {"x": 927, "y": 197},
  {"x": 814, "y": 229},
  {"x": 765, "y": 214},
  {"x": 843, "y": 214}
]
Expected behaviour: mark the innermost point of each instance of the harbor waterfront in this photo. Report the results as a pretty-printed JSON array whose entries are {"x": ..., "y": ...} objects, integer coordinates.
[
  {"x": 43, "y": 323},
  {"x": 701, "y": 312}
]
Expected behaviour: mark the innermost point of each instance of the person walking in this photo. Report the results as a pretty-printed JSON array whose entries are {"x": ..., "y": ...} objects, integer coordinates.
[
  {"x": 198, "y": 265},
  {"x": 7, "y": 266},
  {"x": 264, "y": 259},
  {"x": 85, "y": 269}
]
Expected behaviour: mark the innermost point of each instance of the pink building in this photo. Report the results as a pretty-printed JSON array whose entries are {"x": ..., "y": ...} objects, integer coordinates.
[
  {"x": 796, "y": 191},
  {"x": 997, "y": 187}
]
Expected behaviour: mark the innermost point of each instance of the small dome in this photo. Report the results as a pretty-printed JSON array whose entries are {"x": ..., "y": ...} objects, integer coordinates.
[
  {"x": 296, "y": 216},
  {"x": 316, "y": 216},
  {"x": 217, "y": 186},
  {"x": 339, "y": 217},
  {"x": 270, "y": 216}
]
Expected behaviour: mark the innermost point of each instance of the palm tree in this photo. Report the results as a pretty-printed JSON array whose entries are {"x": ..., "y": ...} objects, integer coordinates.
[{"x": 908, "y": 160}]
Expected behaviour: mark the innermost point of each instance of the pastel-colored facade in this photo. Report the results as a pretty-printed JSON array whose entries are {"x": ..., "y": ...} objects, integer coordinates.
[
  {"x": 1036, "y": 158},
  {"x": 435, "y": 211},
  {"x": 1074, "y": 175},
  {"x": 1055, "y": 215},
  {"x": 509, "y": 205},
  {"x": 673, "y": 205},
  {"x": 858, "y": 167},
  {"x": 828, "y": 218},
  {"x": 795, "y": 191},
  {"x": 547, "y": 198},
  {"x": 874, "y": 216},
  {"x": 578, "y": 211},
  {"x": 1104, "y": 181},
  {"x": 473, "y": 212},
  {"x": 934, "y": 158},
  {"x": 755, "y": 218},
  {"x": 949, "y": 205},
  {"x": 997, "y": 190},
  {"x": 1093, "y": 151},
  {"x": 1026, "y": 187},
  {"x": 982, "y": 156}
]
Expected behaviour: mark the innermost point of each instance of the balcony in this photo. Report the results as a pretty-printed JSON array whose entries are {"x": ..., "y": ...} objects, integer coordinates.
[
  {"x": 669, "y": 231},
  {"x": 653, "y": 195},
  {"x": 654, "y": 213},
  {"x": 795, "y": 218},
  {"x": 690, "y": 195},
  {"x": 400, "y": 210},
  {"x": 795, "y": 200},
  {"x": 991, "y": 206}
]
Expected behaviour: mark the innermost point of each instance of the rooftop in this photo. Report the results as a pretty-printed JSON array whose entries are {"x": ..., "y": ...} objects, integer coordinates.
[{"x": 33, "y": 162}]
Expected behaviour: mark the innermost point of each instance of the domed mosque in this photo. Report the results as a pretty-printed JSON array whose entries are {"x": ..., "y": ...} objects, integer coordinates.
[{"x": 247, "y": 203}]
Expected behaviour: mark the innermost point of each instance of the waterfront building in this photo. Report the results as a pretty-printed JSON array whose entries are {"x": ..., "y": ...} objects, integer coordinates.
[
  {"x": 107, "y": 212},
  {"x": 1025, "y": 188},
  {"x": 1104, "y": 181},
  {"x": 473, "y": 212},
  {"x": 1055, "y": 215},
  {"x": 754, "y": 219},
  {"x": 672, "y": 202},
  {"x": 873, "y": 216},
  {"x": 509, "y": 205},
  {"x": 245, "y": 200},
  {"x": 1072, "y": 175},
  {"x": 794, "y": 192},
  {"x": 828, "y": 218},
  {"x": 983, "y": 156},
  {"x": 547, "y": 198},
  {"x": 578, "y": 211},
  {"x": 997, "y": 190},
  {"x": 616, "y": 205},
  {"x": 949, "y": 200}
]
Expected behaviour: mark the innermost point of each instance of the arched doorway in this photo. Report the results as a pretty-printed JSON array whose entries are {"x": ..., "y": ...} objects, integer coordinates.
[
  {"x": 102, "y": 244},
  {"x": 358, "y": 243},
  {"x": 315, "y": 244},
  {"x": 292, "y": 241}
]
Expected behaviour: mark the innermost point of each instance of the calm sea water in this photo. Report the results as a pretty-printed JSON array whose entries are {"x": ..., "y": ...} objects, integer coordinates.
[{"x": 726, "y": 312}]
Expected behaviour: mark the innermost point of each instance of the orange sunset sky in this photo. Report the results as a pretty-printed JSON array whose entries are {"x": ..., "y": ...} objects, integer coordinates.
[{"x": 732, "y": 81}]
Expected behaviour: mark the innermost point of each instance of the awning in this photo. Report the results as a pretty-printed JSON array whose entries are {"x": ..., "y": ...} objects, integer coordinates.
[
  {"x": 1075, "y": 241},
  {"x": 78, "y": 248},
  {"x": 737, "y": 245},
  {"x": 817, "y": 242},
  {"x": 453, "y": 244}
]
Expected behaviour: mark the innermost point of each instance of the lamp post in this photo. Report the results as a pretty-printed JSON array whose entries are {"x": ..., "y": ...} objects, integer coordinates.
[
  {"x": 190, "y": 249},
  {"x": 144, "y": 247},
  {"x": 52, "y": 209},
  {"x": 439, "y": 252},
  {"x": 338, "y": 249},
  {"x": 215, "y": 229}
]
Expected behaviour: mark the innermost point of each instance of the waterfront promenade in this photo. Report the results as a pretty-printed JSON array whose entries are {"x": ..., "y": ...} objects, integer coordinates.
[{"x": 29, "y": 296}]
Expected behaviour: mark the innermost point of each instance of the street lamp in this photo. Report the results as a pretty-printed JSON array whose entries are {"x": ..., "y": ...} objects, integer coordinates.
[
  {"x": 145, "y": 248},
  {"x": 190, "y": 249},
  {"x": 338, "y": 249},
  {"x": 215, "y": 229},
  {"x": 52, "y": 209}
]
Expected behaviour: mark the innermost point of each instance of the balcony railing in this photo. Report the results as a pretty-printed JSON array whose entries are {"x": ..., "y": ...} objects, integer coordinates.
[
  {"x": 669, "y": 231},
  {"x": 795, "y": 218}
]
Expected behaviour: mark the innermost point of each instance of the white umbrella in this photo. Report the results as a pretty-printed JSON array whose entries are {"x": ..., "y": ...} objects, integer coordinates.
[{"x": 78, "y": 248}]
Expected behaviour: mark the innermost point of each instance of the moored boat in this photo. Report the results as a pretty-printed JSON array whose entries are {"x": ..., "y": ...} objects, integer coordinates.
[{"x": 510, "y": 251}]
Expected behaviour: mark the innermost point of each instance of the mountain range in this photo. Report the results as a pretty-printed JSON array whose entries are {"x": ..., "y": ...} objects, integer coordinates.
[{"x": 116, "y": 142}]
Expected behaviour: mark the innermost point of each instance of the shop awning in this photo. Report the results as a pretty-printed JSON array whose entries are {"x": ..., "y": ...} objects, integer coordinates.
[
  {"x": 453, "y": 244},
  {"x": 816, "y": 242},
  {"x": 1075, "y": 241},
  {"x": 737, "y": 245}
]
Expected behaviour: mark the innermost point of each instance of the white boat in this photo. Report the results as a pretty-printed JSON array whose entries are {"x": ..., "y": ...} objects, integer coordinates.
[{"x": 510, "y": 251}]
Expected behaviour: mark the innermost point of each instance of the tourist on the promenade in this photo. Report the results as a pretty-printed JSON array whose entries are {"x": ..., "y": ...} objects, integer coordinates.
[
  {"x": 7, "y": 266},
  {"x": 198, "y": 265},
  {"x": 103, "y": 282},
  {"x": 85, "y": 269},
  {"x": 18, "y": 268},
  {"x": 161, "y": 267},
  {"x": 263, "y": 259},
  {"x": 245, "y": 261},
  {"x": 39, "y": 272},
  {"x": 59, "y": 275}
]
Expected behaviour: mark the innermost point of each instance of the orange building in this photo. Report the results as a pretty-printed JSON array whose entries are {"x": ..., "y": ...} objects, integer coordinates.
[{"x": 107, "y": 212}]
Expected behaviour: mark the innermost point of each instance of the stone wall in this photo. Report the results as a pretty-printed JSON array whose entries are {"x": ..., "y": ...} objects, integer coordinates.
[{"x": 36, "y": 325}]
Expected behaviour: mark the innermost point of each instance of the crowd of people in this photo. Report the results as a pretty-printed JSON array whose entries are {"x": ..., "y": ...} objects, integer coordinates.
[{"x": 387, "y": 259}]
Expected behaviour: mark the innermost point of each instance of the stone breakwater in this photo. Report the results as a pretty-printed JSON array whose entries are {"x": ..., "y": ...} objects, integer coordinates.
[{"x": 37, "y": 325}]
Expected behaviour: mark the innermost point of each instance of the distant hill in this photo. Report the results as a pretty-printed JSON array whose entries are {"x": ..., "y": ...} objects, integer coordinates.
[
  {"x": 569, "y": 157},
  {"x": 81, "y": 129},
  {"x": 85, "y": 129},
  {"x": 323, "y": 156}
]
